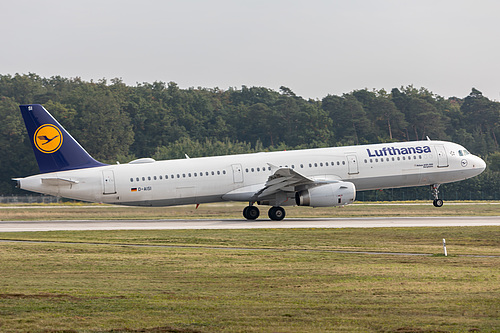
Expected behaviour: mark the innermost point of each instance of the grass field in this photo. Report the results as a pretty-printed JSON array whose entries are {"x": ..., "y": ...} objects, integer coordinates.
[
  {"x": 234, "y": 210},
  {"x": 251, "y": 281}
]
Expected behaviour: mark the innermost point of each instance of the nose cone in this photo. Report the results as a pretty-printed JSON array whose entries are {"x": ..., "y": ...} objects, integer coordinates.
[{"x": 479, "y": 164}]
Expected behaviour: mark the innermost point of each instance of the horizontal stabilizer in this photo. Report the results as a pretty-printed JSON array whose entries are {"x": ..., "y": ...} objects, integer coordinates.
[{"x": 55, "y": 181}]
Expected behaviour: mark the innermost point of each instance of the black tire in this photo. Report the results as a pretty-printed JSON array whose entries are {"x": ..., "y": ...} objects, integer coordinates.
[
  {"x": 438, "y": 202},
  {"x": 251, "y": 212},
  {"x": 276, "y": 213}
]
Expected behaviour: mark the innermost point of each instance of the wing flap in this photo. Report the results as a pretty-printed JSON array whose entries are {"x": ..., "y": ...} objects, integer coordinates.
[{"x": 283, "y": 179}]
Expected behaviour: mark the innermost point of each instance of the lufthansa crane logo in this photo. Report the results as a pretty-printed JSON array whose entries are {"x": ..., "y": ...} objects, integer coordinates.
[{"x": 48, "y": 138}]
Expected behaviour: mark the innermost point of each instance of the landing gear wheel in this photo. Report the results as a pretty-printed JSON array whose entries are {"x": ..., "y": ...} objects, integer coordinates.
[
  {"x": 438, "y": 202},
  {"x": 251, "y": 212},
  {"x": 276, "y": 213},
  {"x": 434, "y": 189}
]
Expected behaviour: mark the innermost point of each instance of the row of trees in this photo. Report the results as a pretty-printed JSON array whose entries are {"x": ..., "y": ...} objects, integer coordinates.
[{"x": 116, "y": 122}]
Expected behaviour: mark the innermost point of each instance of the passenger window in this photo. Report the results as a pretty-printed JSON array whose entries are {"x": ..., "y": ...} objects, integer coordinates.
[
  {"x": 137, "y": 179},
  {"x": 218, "y": 172},
  {"x": 213, "y": 173},
  {"x": 302, "y": 166},
  {"x": 343, "y": 162},
  {"x": 224, "y": 172},
  {"x": 143, "y": 179},
  {"x": 154, "y": 177},
  {"x": 149, "y": 177},
  {"x": 189, "y": 174},
  {"x": 131, "y": 180},
  {"x": 258, "y": 169}
]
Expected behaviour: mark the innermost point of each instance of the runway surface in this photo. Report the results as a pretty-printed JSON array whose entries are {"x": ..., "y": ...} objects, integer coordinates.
[{"x": 369, "y": 222}]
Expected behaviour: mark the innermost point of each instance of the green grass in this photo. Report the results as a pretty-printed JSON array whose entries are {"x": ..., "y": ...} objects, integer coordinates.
[
  {"x": 56, "y": 287},
  {"x": 234, "y": 210}
]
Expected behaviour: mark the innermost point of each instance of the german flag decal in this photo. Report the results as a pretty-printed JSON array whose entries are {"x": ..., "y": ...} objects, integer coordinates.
[{"x": 133, "y": 189}]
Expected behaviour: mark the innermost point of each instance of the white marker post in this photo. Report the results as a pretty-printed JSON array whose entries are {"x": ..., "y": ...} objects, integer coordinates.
[{"x": 444, "y": 247}]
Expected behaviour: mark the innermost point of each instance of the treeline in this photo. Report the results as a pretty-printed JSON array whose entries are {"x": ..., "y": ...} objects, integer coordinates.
[{"x": 116, "y": 122}]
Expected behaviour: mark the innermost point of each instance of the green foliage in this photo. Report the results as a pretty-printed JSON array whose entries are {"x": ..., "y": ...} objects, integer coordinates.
[
  {"x": 116, "y": 122},
  {"x": 494, "y": 162},
  {"x": 195, "y": 148}
]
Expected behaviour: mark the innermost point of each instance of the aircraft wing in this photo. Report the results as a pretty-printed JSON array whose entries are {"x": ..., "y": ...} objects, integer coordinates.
[{"x": 283, "y": 179}]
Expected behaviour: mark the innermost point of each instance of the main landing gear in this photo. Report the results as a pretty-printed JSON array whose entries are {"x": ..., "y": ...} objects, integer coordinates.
[
  {"x": 251, "y": 212},
  {"x": 437, "y": 202},
  {"x": 275, "y": 213}
]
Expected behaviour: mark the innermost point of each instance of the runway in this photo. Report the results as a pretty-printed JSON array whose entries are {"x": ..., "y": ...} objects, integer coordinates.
[{"x": 368, "y": 222}]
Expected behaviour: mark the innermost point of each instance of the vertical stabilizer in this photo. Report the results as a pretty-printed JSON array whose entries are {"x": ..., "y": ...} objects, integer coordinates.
[{"x": 54, "y": 148}]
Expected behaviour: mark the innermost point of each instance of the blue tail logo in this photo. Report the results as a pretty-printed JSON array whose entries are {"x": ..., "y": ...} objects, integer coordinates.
[{"x": 55, "y": 149}]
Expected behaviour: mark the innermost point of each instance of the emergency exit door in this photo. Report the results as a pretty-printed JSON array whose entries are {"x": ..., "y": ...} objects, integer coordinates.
[{"x": 108, "y": 178}]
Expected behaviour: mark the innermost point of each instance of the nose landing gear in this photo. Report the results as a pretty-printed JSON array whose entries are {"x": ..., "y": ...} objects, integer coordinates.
[{"x": 437, "y": 202}]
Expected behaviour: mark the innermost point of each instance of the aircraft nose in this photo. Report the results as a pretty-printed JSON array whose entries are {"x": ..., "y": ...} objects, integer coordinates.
[{"x": 479, "y": 163}]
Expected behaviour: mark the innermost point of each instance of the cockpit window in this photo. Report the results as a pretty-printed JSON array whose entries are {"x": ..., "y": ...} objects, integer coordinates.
[{"x": 460, "y": 153}]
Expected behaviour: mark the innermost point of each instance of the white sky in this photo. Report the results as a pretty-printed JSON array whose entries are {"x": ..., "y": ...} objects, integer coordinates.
[{"x": 314, "y": 47}]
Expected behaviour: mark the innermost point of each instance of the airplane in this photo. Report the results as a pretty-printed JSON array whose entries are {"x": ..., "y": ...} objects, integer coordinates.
[{"x": 321, "y": 177}]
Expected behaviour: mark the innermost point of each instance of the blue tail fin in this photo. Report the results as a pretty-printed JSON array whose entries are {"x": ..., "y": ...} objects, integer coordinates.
[{"x": 55, "y": 149}]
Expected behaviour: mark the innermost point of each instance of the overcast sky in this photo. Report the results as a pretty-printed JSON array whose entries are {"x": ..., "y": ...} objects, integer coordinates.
[{"x": 314, "y": 47}]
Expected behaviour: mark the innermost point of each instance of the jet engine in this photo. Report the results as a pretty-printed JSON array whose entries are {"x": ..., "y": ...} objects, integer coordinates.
[{"x": 328, "y": 195}]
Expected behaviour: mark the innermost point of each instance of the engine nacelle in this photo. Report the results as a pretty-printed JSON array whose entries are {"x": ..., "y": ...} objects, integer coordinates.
[{"x": 328, "y": 195}]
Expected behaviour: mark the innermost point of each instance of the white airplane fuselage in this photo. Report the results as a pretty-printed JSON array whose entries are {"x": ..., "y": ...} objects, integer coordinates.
[{"x": 146, "y": 182}]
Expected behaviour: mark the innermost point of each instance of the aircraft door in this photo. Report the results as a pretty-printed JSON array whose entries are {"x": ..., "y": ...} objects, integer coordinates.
[
  {"x": 352, "y": 163},
  {"x": 442, "y": 157},
  {"x": 108, "y": 179},
  {"x": 237, "y": 173}
]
